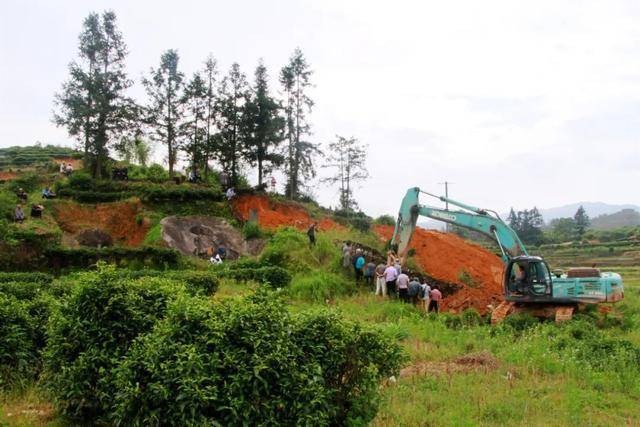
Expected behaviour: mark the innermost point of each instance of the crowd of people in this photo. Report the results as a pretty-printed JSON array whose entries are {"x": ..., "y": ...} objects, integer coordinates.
[{"x": 388, "y": 279}]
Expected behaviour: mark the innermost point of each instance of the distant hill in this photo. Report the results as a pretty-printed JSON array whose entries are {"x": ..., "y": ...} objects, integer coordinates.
[
  {"x": 593, "y": 209},
  {"x": 624, "y": 218}
]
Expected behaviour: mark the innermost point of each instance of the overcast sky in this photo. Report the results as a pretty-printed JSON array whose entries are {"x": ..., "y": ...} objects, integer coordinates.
[{"x": 519, "y": 103}]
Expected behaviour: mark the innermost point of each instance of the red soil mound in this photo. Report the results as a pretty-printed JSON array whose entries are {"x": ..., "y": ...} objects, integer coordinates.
[
  {"x": 5, "y": 176},
  {"x": 117, "y": 219},
  {"x": 447, "y": 257},
  {"x": 272, "y": 214}
]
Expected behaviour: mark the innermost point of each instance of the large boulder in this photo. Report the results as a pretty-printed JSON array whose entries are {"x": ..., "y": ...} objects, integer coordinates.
[
  {"x": 201, "y": 235},
  {"x": 94, "y": 238}
]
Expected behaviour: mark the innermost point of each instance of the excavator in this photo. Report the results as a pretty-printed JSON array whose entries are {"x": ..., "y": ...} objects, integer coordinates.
[{"x": 528, "y": 283}]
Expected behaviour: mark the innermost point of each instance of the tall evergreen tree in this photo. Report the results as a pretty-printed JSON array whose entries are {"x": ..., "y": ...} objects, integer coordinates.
[
  {"x": 194, "y": 127},
  {"x": 229, "y": 144},
  {"x": 262, "y": 126},
  {"x": 348, "y": 157},
  {"x": 93, "y": 105},
  {"x": 582, "y": 222},
  {"x": 165, "y": 110},
  {"x": 210, "y": 76},
  {"x": 295, "y": 80},
  {"x": 512, "y": 220}
]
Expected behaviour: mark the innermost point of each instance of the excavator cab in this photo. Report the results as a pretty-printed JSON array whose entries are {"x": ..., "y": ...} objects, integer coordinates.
[{"x": 528, "y": 278}]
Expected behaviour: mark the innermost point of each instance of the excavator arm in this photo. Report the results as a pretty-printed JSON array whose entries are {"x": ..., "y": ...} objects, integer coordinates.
[{"x": 476, "y": 219}]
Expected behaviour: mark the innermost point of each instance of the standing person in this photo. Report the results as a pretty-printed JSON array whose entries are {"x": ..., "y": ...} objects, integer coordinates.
[
  {"x": 390, "y": 276},
  {"x": 359, "y": 265},
  {"x": 18, "y": 215},
  {"x": 402, "y": 284},
  {"x": 230, "y": 193},
  {"x": 369, "y": 272},
  {"x": 63, "y": 168},
  {"x": 424, "y": 295},
  {"x": 69, "y": 169},
  {"x": 346, "y": 255},
  {"x": 381, "y": 283},
  {"x": 311, "y": 232},
  {"x": 436, "y": 296},
  {"x": 414, "y": 290}
]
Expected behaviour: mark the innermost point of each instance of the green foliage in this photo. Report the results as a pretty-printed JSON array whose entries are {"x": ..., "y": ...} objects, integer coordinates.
[
  {"x": 18, "y": 352},
  {"x": 92, "y": 331},
  {"x": 196, "y": 282},
  {"x": 8, "y": 204},
  {"x": 385, "y": 220},
  {"x": 154, "y": 173},
  {"x": 250, "y": 361},
  {"x": 28, "y": 182},
  {"x": 272, "y": 276},
  {"x": 251, "y": 230},
  {"x": 80, "y": 181},
  {"x": 31, "y": 277},
  {"x": 358, "y": 220},
  {"x": 154, "y": 235},
  {"x": 319, "y": 286},
  {"x": 289, "y": 248},
  {"x": 151, "y": 257},
  {"x": 465, "y": 277}
]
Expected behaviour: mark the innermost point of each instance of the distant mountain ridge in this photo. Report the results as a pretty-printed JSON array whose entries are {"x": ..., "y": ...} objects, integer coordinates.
[{"x": 593, "y": 209}]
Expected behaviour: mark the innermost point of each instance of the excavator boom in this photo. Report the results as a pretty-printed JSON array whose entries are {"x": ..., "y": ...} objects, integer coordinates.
[{"x": 472, "y": 218}]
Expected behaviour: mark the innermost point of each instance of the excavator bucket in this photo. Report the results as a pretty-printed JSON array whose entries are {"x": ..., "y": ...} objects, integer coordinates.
[{"x": 406, "y": 224}]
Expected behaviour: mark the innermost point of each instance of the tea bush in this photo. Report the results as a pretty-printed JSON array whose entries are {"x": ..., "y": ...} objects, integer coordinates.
[
  {"x": 196, "y": 282},
  {"x": 18, "y": 351},
  {"x": 32, "y": 277},
  {"x": 251, "y": 230},
  {"x": 250, "y": 362},
  {"x": 91, "y": 333}
]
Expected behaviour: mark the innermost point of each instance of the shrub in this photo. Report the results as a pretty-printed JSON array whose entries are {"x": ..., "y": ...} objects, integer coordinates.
[
  {"x": 28, "y": 182},
  {"x": 251, "y": 362},
  {"x": 33, "y": 277},
  {"x": 385, "y": 220},
  {"x": 320, "y": 286},
  {"x": 272, "y": 276},
  {"x": 196, "y": 282},
  {"x": 80, "y": 181},
  {"x": 8, "y": 204},
  {"x": 92, "y": 332},
  {"x": 59, "y": 257},
  {"x": 18, "y": 351},
  {"x": 251, "y": 230},
  {"x": 156, "y": 173}
]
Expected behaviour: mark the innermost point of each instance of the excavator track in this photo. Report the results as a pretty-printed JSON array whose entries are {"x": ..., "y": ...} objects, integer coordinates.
[{"x": 501, "y": 311}]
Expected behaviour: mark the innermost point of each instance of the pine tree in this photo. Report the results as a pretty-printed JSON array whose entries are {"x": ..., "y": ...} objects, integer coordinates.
[
  {"x": 262, "y": 126},
  {"x": 93, "y": 105},
  {"x": 512, "y": 220},
  {"x": 210, "y": 76},
  {"x": 582, "y": 222},
  {"x": 193, "y": 128},
  {"x": 348, "y": 157},
  {"x": 164, "y": 86},
  {"x": 295, "y": 80},
  {"x": 229, "y": 144}
]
